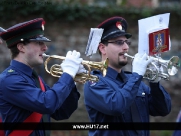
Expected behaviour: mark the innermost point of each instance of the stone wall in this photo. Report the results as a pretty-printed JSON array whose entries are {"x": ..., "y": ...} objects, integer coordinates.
[{"x": 67, "y": 36}]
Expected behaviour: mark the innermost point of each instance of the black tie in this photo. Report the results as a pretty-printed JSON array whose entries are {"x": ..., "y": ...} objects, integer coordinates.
[{"x": 35, "y": 76}]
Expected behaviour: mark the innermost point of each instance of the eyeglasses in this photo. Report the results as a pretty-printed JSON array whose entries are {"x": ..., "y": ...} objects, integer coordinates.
[
  {"x": 121, "y": 42},
  {"x": 39, "y": 42}
]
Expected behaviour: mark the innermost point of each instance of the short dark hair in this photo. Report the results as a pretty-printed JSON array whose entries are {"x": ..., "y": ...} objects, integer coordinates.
[
  {"x": 14, "y": 50},
  {"x": 103, "y": 42}
]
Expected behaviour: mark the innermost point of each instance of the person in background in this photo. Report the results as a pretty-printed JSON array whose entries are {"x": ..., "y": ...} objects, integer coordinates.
[
  {"x": 24, "y": 96},
  {"x": 121, "y": 96}
]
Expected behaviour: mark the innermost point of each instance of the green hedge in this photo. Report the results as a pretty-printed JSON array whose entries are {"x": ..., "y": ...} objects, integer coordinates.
[{"x": 16, "y": 9}]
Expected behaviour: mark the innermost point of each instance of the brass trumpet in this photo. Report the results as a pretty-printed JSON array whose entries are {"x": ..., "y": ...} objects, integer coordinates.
[
  {"x": 170, "y": 67},
  {"x": 56, "y": 71}
]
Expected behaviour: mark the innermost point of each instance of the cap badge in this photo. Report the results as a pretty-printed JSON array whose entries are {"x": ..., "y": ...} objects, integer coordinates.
[
  {"x": 119, "y": 26},
  {"x": 42, "y": 27}
]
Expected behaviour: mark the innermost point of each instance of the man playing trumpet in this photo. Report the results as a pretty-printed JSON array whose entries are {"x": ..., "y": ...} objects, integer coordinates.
[
  {"x": 24, "y": 96},
  {"x": 120, "y": 96}
]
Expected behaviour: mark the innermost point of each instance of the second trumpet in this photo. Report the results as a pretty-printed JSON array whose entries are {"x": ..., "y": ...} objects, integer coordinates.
[{"x": 170, "y": 67}]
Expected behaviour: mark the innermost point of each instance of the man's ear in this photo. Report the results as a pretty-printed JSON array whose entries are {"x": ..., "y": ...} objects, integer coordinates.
[
  {"x": 20, "y": 47},
  {"x": 102, "y": 48}
]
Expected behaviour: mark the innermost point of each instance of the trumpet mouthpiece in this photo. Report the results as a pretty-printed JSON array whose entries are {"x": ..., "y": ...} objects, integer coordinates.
[
  {"x": 125, "y": 54},
  {"x": 44, "y": 55}
]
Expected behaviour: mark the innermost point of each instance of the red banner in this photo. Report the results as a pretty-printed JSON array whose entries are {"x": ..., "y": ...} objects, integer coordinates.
[{"x": 159, "y": 41}]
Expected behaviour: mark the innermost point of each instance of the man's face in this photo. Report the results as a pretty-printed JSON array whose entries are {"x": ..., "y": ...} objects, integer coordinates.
[
  {"x": 33, "y": 53},
  {"x": 115, "y": 51}
]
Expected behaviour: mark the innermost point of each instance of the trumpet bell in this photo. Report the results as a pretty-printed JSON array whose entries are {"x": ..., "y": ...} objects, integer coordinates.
[{"x": 173, "y": 65}]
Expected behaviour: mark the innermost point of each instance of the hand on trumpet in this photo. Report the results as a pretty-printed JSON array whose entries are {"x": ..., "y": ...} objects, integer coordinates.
[
  {"x": 71, "y": 63},
  {"x": 81, "y": 69},
  {"x": 140, "y": 63},
  {"x": 156, "y": 67}
]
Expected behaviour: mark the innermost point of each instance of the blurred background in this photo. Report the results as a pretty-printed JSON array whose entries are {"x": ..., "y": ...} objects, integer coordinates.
[{"x": 68, "y": 24}]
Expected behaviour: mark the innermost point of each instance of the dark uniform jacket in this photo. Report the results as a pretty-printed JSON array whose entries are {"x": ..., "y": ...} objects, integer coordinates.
[
  {"x": 20, "y": 96},
  {"x": 111, "y": 98}
]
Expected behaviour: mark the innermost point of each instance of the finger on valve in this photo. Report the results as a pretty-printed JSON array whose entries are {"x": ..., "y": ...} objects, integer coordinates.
[{"x": 69, "y": 53}]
